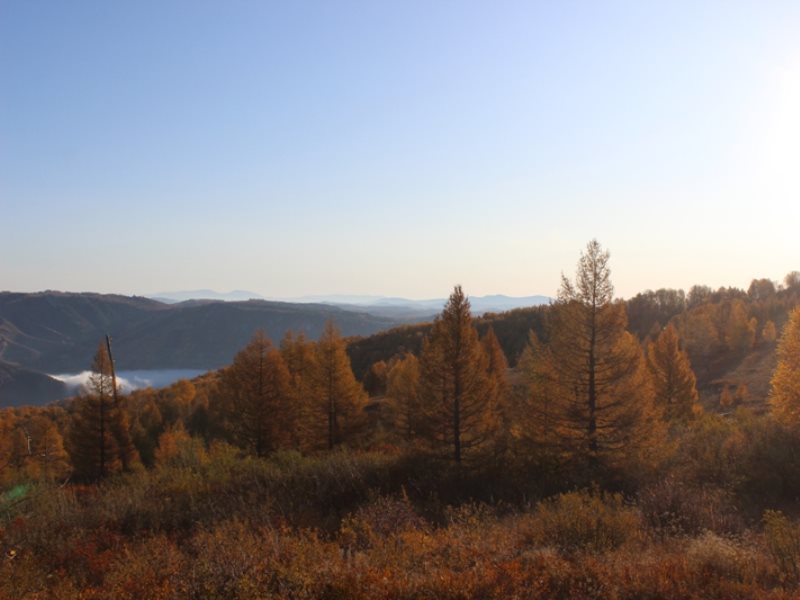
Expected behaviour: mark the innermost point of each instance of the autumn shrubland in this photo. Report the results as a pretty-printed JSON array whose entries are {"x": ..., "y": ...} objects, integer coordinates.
[
  {"x": 616, "y": 457},
  {"x": 359, "y": 525}
]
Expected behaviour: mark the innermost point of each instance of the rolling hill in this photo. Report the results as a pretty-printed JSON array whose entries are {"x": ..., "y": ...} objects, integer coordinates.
[
  {"x": 19, "y": 386},
  {"x": 55, "y": 332}
]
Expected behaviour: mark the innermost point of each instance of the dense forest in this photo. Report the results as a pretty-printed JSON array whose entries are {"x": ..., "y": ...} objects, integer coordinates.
[{"x": 590, "y": 448}]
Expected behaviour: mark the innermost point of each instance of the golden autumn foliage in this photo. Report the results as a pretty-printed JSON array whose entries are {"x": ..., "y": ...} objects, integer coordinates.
[
  {"x": 739, "y": 328},
  {"x": 500, "y": 389},
  {"x": 100, "y": 441},
  {"x": 337, "y": 400},
  {"x": 785, "y": 396},
  {"x": 301, "y": 360},
  {"x": 253, "y": 530},
  {"x": 168, "y": 443},
  {"x": 402, "y": 391},
  {"x": 597, "y": 392},
  {"x": 713, "y": 328},
  {"x": 535, "y": 412},
  {"x": 240, "y": 499},
  {"x": 18, "y": 451},
  {"x": 698, "y": 331},
  {"x": 31, "y": 447},
  {"x": 457, "y": 399},
  {"x": 48, "y": 456},
  {"x": 674, "y": 382},
  {"x": 177, "y": 448},
  {"x": 255, "y": 397},
  {"x": 769, "y": 334}
]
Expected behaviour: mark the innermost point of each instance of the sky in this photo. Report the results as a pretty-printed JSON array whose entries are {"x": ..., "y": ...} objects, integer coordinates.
[{"x": 396, "y": 147}]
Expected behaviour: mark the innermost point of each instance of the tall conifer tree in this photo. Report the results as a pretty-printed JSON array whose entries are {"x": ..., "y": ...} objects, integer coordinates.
[
  {"x": 300, "y": 357},
  {"x": 460, "y": 416},
  {"x": 497, "y": 372},
  {"x": 339, "y": 396},
  {"x": 675, "y": 385},
  {"x": 100, "y": 442},
  {"x": 402, "y": 390},
  {"x": 255, "y": 391},
  {"x": 598, "y": 386}
]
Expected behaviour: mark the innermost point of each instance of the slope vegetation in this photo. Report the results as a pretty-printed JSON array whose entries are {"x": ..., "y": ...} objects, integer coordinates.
[{"x": 55, "y": 332}]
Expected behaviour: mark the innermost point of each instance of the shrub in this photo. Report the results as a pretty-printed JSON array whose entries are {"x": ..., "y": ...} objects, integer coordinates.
[
  {"x": 711, "y": 553},
  {"x": 378, "y": 520},
  {"x": 783, "y": 541},
  {"x": 592, "y": 521},
  {"x": 673, "y": 507}
]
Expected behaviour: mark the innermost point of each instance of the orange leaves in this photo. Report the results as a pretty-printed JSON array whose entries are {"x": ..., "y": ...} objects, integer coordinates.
[
  {"x": 456, "y": 394},
  {"x": 590, "y": 382},
  {"x": 579, "y": 544},
  {"x": 339, "y": 399},
  {"x": 255, "y": 397},
  {"x": 673, "y": 378},
  {"x": 785, "y": 397}
]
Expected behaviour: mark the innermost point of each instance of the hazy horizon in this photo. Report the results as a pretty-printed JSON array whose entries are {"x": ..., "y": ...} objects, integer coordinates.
[
  {"x": 744, "y": 284},
  {"x": 342, "y": 297},
  {"x": 396, "y": 149}
]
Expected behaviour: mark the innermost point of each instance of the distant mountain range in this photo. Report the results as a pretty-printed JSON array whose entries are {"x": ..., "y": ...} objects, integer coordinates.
[
  {"x": 58, "y": 332},
  {"x": 385, "y": 306},
  {"x": 183, "y": 296},
  {"x": 422, "y": 310}
]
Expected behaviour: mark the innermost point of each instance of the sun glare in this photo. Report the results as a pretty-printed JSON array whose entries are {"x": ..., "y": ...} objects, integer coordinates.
[{"x": 778, "y": 148}]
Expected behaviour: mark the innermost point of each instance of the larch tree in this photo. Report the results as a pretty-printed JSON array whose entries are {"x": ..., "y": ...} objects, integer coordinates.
[
  {"x": 402, "y": 391},
  {"x": 99, "y": 436},
  {"x": 339, "y": 398},
  {"x": 300, "y": 357},
  {"x": 738, "y": 331},
  {"x": 457, "y": 403},
  {"x": 496, "y": 364},
  {"x": 674, "y": 381},
  {"x": 537, "y": 411},
  {"x": 21, "y": 454},
  {"x": 601, "y": 395},
  {"x": 375, "y": 380},
  {"x": 761, "y": 289},
  {"x": 255, "y": 391},
  {"x": 147, "y": 423},
  {"x": 785, "y": 393},
  {"x": 497, "y": 372},
  {"x": 47, "y": 448},
  {"x": 698, "y": 331},
  {"x": 769, "y": 334},
  {"x": 121, "y": 430},
  {"x": 177, "y": 447}
]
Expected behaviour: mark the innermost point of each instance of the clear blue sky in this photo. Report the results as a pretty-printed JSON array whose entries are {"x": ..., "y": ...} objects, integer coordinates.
[{"x": 396, "y": 148}]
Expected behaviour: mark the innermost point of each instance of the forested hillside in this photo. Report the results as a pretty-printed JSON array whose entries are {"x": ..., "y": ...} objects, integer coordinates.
[
  {"x": 729, "y": 334},
  {"x": 590, "y": 448},
  {"x": 54, "y": 332}
]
